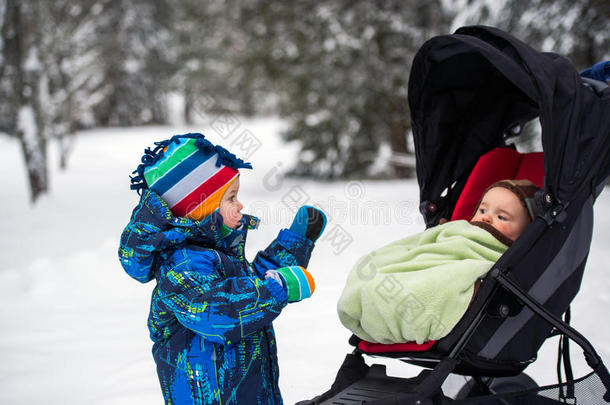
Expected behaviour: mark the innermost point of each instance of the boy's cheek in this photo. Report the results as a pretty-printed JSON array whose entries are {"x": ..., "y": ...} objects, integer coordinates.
[{"x": 236, "y": 217}]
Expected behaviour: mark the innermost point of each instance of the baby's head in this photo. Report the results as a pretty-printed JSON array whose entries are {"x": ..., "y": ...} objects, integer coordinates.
[
  {"x": 194, "y": 177},
  {"x": 508, "y": 206}
]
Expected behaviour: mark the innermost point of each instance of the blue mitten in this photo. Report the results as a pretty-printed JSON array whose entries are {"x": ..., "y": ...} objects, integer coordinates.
[{"x": 309, "y": 222}]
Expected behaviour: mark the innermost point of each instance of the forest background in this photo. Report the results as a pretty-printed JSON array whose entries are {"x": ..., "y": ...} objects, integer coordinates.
[{"x": 336, "y": 71}]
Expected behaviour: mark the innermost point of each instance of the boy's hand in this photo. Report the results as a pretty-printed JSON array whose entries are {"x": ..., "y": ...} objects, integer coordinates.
[
  {"x": 297, "y": 282},
  {"x": 309, "y": 222}
]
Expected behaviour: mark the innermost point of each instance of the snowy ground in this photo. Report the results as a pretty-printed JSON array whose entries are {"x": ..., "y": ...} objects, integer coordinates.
[{"x": 74, "y": 325}]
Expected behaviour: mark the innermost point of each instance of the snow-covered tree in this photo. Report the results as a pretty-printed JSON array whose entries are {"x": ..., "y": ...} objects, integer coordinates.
[
  {"x": 132, "y": 57},
  {"x": 70, "y": 79},
  {"x": 342, "y": 66},
  {"x": 68, "y": 65},
  {"x": 341, "y": 69},
  {"x": 576, "y": 29},
  {"x": 337, "y": 70},
  {"x": 21, "y": 84},
  {"x": 220, "y": 63}
]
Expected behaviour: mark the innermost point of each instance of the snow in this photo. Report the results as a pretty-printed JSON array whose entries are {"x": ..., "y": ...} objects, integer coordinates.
[
  {"x": 26, "y": 122},
  {"x": 74, "y": 325},
  {"x": 32, "y": 63}
]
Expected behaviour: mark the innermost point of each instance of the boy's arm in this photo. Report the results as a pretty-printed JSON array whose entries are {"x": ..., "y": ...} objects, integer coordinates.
[
  {"x": 293, "y": 246},
  {"x": 222, "y": 310}
]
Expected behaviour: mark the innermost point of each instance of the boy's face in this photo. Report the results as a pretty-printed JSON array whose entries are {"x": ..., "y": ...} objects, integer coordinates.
[
  {"x": 503, "y": 210},
  {"x": 230, "y": 206}
]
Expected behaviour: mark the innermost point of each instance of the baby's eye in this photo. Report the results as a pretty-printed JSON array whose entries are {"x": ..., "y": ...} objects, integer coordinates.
[
  {"x": 502, "y": 218},
  {"x": 482, "y": 210}
]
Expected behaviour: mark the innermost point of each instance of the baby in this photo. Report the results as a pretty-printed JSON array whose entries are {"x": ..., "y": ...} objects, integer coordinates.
[{"x": 418, "y": 288}]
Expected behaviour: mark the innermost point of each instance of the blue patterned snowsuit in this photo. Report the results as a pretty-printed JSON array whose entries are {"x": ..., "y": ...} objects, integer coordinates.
[{"x": 211, "y": 311}]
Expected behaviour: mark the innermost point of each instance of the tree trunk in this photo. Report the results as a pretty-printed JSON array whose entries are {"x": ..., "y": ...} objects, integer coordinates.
[
  {"x": 34, "y": 150},
  {"x": 21, "y": 43},
  {"x": 189, "y": 100},
  {"x": 65, "y": 142}
]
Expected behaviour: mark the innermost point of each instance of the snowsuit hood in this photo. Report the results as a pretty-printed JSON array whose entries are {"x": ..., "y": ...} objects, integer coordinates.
[{"x": 157, "y": 229}]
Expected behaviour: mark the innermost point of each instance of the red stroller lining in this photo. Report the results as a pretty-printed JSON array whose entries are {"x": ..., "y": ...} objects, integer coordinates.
[
  {"x": 497, "y": 164},
  {"x": 373, "y": 348}
]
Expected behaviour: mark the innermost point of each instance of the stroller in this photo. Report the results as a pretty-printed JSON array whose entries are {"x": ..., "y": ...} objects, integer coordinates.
[{"x": 470, "y": 93}]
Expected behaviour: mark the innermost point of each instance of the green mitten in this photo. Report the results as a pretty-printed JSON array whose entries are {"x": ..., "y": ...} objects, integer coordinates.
[{"x": 297, "y": 281}]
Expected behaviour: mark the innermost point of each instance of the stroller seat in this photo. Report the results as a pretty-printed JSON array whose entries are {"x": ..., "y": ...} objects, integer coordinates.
[{"x": 497, "y": 164}]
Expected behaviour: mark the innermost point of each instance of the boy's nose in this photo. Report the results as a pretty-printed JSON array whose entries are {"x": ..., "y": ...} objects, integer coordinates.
[{"x": 486, "y": 218}]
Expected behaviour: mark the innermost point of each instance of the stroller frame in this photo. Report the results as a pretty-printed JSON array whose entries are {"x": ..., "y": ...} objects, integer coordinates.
[{"x": 530, "y": 80}]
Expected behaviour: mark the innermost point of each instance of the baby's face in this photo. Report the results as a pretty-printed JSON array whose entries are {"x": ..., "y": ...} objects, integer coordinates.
[{"x": 503, "y": 210}]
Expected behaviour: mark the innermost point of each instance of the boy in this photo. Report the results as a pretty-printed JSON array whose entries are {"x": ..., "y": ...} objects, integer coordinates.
[
  {"x": 211, "y": 311},
  {"x": 417, "y": 288}
]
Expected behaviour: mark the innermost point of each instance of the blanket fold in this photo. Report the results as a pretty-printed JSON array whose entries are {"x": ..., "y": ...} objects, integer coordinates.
[{"x": 417, "y": 288}]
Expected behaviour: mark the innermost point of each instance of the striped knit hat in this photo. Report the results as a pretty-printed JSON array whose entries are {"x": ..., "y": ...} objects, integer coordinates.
[{"x": 189, "y": 173}]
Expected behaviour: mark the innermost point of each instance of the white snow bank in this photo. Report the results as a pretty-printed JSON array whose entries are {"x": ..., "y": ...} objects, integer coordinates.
[{"x": 74, "y": 325}]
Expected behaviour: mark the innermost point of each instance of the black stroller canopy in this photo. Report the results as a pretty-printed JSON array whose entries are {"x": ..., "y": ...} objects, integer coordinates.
[{"x": 468, "y": 89}]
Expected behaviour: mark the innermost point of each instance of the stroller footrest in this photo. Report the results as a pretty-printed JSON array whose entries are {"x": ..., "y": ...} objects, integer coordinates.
[{"x": 375, "y": 385}]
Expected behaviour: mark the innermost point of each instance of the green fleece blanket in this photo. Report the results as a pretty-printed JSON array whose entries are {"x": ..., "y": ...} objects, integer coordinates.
[{"x": 417, "y": 288}]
